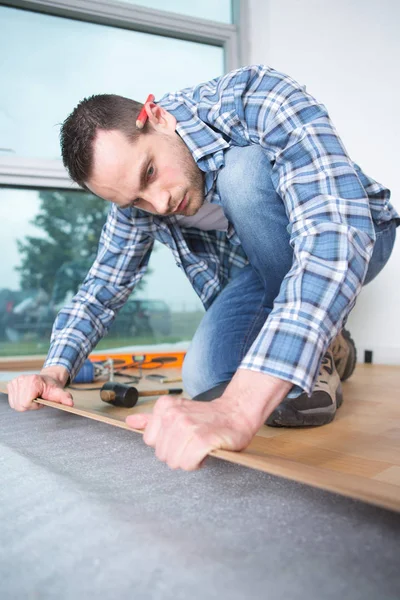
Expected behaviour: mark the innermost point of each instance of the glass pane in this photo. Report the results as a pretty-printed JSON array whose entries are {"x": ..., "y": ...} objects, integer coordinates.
[
  {"x": 48, "y": 64},
  {"x": 216, "y": 10},
  {"x": 45, "y": 264}
]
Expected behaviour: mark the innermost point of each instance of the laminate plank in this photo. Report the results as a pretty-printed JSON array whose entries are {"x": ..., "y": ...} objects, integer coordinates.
[
  {"x": 357, "y": 455},
  {"x": 390, "y": 475}
]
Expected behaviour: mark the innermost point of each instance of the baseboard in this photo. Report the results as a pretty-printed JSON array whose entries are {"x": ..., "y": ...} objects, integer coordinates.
[{"x": 381, "y": 355}]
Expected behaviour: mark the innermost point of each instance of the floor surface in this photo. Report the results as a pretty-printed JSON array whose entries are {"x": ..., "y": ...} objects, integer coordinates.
[{"x": 87, "y": 511}]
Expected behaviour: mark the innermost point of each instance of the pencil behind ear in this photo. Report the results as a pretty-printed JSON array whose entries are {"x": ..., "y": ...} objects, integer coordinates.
[{"x": 142, "y": 118}]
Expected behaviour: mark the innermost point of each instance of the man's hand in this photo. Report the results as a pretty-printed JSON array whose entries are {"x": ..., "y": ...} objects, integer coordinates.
[
  {"x": 47, "y": 385},
  {"x": 184, "y": 431}
]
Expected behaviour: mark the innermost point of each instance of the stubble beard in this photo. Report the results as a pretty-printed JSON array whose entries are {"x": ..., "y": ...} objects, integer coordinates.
[
  {"x": 195, "y": 180},
  {"x": 196, "y": 201}
]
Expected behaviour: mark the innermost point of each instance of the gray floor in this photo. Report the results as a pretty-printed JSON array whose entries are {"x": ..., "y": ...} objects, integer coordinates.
[{"x": 86, "y": 511}]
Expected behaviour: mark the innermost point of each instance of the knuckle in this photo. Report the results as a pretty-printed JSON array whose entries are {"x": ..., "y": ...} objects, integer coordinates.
[
  {"x": 37, "y": 380},
  {"x": 163, "y": 403},
  {"x": 183, "y": 420}
]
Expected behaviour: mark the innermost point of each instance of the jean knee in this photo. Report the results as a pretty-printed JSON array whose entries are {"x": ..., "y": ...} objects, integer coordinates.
[
  {"x": 247, "y": 165},
  {"x": 194, "y": 373}
]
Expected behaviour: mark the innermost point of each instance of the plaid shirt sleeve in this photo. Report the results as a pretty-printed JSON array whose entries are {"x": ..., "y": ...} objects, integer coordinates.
[
  {"x": 330, "y": 224},
  {"x": 121, "y": 261}
]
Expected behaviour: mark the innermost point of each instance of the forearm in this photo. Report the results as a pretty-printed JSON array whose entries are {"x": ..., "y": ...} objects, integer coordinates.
[{"x": 254, "y": 395}]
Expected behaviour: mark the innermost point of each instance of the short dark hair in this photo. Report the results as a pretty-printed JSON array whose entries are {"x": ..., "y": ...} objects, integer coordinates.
[{"x": 101, "y": 111}]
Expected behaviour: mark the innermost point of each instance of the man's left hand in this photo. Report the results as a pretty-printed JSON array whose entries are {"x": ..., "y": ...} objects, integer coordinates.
[{"x": 184, "y": 431}]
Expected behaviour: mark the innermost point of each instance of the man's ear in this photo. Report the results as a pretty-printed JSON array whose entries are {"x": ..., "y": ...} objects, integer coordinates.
[{"x": 159, "y": 118}]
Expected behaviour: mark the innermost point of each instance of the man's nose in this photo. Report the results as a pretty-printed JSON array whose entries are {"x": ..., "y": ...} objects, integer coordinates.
[{"x": 161, "y": 200}]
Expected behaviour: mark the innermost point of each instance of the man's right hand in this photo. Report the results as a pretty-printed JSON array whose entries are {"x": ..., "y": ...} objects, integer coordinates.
[{"x": 48, "y": 385}]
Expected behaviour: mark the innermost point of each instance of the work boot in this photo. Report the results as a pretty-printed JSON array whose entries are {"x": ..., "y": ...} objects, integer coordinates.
[
  {"x": 317, "y": 409},
  {"x": 344, "y": 354}
]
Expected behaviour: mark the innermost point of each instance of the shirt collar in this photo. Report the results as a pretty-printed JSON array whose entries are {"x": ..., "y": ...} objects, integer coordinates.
[{"x": 206, "y": 145}]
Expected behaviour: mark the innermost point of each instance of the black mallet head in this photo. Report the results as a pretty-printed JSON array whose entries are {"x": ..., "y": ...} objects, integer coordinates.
[{"x": 119, "y": 394}]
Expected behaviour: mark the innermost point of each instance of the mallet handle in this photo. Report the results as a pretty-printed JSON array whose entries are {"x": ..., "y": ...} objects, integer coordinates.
[{"x": 160, "y": 392}]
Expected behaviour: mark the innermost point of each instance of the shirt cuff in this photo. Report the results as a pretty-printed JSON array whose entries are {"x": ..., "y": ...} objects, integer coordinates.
[
  {"x": 289, "y": 349},
  {"x": 70, "y": 356}
]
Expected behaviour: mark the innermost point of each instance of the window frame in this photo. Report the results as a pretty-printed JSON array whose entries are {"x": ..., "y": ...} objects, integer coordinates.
[{"x": 35, "y": 173}]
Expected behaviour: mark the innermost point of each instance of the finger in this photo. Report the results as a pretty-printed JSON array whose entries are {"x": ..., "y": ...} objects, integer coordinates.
[
  {"x": 10, "y": 394},
  {"x": 35, "y": 406},
  {"x": 177, "y": 433},
  {"x": 161, "y": 408},
  {"x": 25, "y": 396},
  {"x": 163, "y": 404},
  {"x": 153, "y": 431},
  {"x": 51, "y": 393},
  {"x": 56, "y": 394},
  {"x": 194, "y": 455},
  {"x": 10, "y": 397},
  {"x": 138, "y": 421},
  {"x": 27, "y": 403},
  {"x": 172, "y": 455}
]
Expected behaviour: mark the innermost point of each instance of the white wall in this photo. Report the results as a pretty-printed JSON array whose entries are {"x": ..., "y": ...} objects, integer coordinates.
[{"x": 347, "y": 53}]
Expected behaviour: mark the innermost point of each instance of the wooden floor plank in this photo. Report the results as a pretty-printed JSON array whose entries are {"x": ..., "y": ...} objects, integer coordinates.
[
  {"x": 358, "y": 455},
  {"x": 390, "y": 475}
]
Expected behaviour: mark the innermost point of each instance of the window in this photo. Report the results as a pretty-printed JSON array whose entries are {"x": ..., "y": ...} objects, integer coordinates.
[
  {"x": 53, "y": 55},
  {"x": 50, "y": 240},
  {"x": 219, "y": 10},
  {"x": 49, "y": 64}
]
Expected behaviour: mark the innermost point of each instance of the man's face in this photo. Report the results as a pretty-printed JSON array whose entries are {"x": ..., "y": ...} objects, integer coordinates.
[{"x": 156, "y": 173}]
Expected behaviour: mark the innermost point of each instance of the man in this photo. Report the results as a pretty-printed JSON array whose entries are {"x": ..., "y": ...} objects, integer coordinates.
[{"x": 245, "y": 179}]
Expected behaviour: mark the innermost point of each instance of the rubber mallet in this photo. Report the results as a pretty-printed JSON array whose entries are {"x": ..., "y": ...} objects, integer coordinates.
[{"x": 119, "y": 394}]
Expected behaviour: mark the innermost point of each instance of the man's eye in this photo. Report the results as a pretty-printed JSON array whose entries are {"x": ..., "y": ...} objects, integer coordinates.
[{"x": 150, "y": 172}]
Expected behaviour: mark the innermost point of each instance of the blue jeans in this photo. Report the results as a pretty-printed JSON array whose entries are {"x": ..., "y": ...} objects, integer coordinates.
[{"x": 235, "y": 318}]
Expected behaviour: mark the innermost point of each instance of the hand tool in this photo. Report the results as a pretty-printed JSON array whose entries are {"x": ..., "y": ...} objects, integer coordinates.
[
  {"x": 163, "y": 378},
  {"x": 90, "y": 371},
  {"x": 142, "y": 362},
  {"x": 127, "y": 396}
]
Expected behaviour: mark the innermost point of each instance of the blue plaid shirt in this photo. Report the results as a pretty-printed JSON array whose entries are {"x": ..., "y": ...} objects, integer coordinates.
[{"x": 330, "y": 203}]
